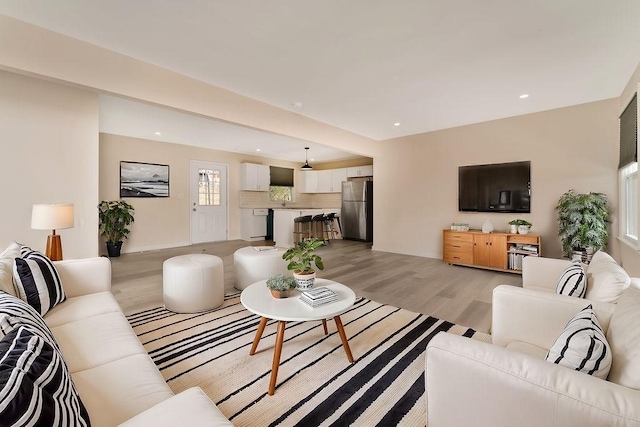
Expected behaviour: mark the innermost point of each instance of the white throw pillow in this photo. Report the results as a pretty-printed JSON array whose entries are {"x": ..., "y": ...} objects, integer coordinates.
[
  {"x": 582, "y": 346},
  {"x": 573, "y": 281},
  {"x": 7, "y": 258},
  {"x": 624, "y": 337},
  {"x": 605, "y": 278}
]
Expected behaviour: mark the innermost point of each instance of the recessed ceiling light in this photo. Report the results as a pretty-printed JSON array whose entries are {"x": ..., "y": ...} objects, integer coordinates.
[
  {"x": 396, "y": 124},
  {"x": 524, "y": 95},
  {"x": 158, "y": 133},
  {"x": 298, "y": 105},
  {"x": 257, "y": 149},
  {"x": 313, "y": 160}
]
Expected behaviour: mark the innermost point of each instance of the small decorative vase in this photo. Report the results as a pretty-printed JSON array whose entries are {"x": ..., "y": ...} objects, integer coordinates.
[
  {"x": 523, "y": 229},
  {"x": 279, "y": 294},
  {"x": 304, "y": 281},
  {"x": 487, "y": 227},
  {"x": 513, "y": 229}
]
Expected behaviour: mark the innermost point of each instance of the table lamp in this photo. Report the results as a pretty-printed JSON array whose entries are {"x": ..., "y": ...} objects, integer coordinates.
[{"x": 52, "y": 217}]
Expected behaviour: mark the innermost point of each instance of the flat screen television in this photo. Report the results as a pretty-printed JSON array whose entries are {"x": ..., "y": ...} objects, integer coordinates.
[{"x": 499, "y": 187}]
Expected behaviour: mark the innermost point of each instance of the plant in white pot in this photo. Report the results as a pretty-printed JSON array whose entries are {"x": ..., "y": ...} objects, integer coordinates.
[
  {"x": 114, "y": 217},
  {"x": 582, "y": 223},
  {"x": 303, "y": 262},
  {"x": 281, "y": 285}
]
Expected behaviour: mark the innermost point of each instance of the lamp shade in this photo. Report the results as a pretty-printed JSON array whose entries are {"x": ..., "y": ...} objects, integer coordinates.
[{"x": 52, "y": 217}]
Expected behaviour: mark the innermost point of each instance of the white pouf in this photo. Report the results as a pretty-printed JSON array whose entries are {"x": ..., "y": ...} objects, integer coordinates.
[
  {"x": 251, "y": 265},
  {"x": 192, "y": 283}
]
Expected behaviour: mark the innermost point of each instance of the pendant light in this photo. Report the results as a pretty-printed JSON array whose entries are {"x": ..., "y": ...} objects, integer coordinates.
[{"x": 306, "y": 165}]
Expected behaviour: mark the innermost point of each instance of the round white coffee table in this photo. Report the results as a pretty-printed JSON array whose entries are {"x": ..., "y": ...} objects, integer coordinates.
[{"x": 258, "y": 300}]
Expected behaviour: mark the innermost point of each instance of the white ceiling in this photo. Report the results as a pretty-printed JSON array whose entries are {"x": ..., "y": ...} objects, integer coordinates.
[{"x": 362, "y": 65}]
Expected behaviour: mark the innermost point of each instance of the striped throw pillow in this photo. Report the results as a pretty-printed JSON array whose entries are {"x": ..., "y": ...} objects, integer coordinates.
[
  {"x": 15, "y": 313},
  {"x": 573, "y": 281},
  {"x": 37, "y": 281},
  {"x": 582, "y": 346},
  {"x": 35, "y": 385}
]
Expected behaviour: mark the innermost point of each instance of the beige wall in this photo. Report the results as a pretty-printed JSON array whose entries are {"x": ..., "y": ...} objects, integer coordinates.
[
  {"x": 630, "y": 257},
  {"x": 49, "y": 155},
  {"x": 164, "y": 222},
  {"x": 415, "y": 194}
]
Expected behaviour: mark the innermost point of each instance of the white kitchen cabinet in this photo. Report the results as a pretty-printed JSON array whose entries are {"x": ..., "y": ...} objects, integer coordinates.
[
  {"x": 324, "y": 181},
  {"x": 337, "y": 176},
  {"x": 309, "y": 181},
  {"x": 253, "y": 224},
  {"x": 254, "y": 177},
  {"x": 360, "y": 171}
]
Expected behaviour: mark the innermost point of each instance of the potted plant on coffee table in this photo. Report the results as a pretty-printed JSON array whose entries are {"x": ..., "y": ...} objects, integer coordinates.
[
  {"x": 582, "y": 223},
  {"x": 114, "y": 218},
  {"x": 303, "y": 262},
  {"x": 281, "y": 285}
]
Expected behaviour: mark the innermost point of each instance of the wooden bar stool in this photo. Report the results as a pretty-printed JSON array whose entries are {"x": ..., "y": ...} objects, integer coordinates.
[{"x": 302, "y": 228}]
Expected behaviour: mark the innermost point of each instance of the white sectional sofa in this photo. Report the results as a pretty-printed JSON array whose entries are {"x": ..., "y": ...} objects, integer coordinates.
[
  {"x": 116, "y": 379},
  {"x": 509, "y": 382}
]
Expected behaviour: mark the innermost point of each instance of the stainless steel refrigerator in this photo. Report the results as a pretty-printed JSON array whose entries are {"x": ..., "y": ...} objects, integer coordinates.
[{"x": 356, "y": 215}]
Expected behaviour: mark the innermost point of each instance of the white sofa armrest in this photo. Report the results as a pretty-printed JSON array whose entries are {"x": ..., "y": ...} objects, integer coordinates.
[
  {"x": 471, "y": 383},
  {"x": 84, "y": 276},
  {"x": 542, "y": 273},
  {"x": 537, "y": 317},
  {"x": 190, "y": 408}
]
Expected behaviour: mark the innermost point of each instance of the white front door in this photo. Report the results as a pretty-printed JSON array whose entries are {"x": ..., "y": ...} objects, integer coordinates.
[{"x": 208, "y": 202}]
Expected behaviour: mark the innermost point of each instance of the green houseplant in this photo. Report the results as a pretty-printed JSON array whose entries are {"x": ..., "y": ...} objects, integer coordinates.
[
  {"x": 520, "y": 224},
  {"x": 280, "y": 285},
  {"x": 582, "y": 223},
  {"x": 114, "y": 218},
  {"x": 303, "y": 262}
]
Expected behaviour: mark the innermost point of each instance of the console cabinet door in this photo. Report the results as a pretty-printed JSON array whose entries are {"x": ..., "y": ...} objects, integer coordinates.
[{"x": 489, "y": 250}]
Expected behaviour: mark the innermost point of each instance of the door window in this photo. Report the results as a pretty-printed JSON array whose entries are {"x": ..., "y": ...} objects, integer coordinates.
[{"x": 208, "y": 187}]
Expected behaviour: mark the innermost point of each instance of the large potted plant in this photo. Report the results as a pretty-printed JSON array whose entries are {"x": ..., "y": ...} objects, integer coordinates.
[
  {"x": 582, "y": 223},
  {"x": 114, "y": 217},
  {"x": 303, "y": 262}
]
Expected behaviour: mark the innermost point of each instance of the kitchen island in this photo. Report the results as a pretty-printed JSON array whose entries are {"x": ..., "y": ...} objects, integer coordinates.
[{"x": 283, "y": 222}]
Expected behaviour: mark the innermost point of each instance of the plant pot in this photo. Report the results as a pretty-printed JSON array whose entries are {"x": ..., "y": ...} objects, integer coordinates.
[
  {"x": 523, "y": 229},
  {"x": 304, "y": 281},
  {"x": 279, "y": 294},
  {"x": 582, "y": 255},
  {"x": 513, "y": 229},
  {"x": 113, "y": 249}
]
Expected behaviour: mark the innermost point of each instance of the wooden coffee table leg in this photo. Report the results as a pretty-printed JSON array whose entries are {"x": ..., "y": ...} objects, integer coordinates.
[
  {"x": 256, "y": 340},
  {"x": 276, "y": 357},
  {"x": 343, "y": 337},
  {"x": 324, "y": 325}
]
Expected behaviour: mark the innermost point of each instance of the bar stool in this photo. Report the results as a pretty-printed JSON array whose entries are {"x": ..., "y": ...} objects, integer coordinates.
[
  {"x": 319, "y": 229},
  {"x": 302, "y": 228},
  {"x": 329, "y": 220}
]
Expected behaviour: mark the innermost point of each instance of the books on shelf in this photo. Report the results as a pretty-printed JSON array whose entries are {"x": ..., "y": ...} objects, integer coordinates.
[{"x": 316, "y": 297}]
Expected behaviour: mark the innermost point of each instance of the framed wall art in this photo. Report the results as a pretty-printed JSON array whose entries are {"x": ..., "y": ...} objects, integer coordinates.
[{"x": 144, "y": 179}]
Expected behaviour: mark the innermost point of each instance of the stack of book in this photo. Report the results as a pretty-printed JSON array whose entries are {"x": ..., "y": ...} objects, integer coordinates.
[{"x": 318, "y": 296}]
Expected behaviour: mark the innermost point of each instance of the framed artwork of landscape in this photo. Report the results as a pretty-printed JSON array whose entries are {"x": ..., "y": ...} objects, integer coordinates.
[{"x": 144, "y": 180}]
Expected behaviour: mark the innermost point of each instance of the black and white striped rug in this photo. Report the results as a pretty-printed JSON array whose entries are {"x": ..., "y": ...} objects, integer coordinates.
[{"x": 317, "y": 386}]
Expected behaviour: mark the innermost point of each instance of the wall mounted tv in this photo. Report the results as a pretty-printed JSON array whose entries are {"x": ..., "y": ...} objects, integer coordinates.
[{"x": 499, "y": 187}]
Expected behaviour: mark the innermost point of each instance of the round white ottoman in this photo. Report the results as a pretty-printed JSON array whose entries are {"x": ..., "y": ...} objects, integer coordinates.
[
  {"x": 251, "y": 265},
  {"x": 192, "y": 283}
]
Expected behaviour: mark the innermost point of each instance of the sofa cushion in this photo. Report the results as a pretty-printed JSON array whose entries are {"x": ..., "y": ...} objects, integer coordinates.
[
  {"x": 96, "y": 340},
  {"x": 15, "y": 313},
  {"x": 582, "y": 346},
  {"x": 605, "y": 278},
  {"x": 7, "y": 258},
  {"x": 37, "y": 281},
  {"x": 35, "y": 386},
  {"x": 530, "y": 349},
  {"x": 117, "y": 391},
  {"x": 624, "y": 337},
  {"x": 77, "y": 308},
  {"x": 573, "y": 281}
]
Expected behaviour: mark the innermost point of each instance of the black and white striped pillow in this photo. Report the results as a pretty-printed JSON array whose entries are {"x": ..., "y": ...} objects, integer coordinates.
[
  {"x": 37, "y": 281},
  {"x": 573, "y": 281},
  {"x": 35, "y": 385},
  {"x": 582, "y": 346},
  {"x": 15, "y": 313}
]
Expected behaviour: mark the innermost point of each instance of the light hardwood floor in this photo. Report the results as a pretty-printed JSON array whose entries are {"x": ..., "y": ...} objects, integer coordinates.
[{"x": 458, "y": 294}]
